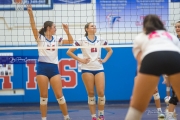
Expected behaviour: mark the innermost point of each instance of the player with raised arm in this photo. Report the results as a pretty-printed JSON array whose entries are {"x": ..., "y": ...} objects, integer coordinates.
[
  {"x": 92, "y": 68},
  {"x": 47, "y": 66}
]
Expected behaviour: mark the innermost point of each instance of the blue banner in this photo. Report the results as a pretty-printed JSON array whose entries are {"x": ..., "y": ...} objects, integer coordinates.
[
  {"x": 18, "y": 59},
  {"x": 72, "y": 1},
  {"x": 7, "y": 5},
  {"x": 175, "y": 0},
  {"x": 127, "y": 15}
]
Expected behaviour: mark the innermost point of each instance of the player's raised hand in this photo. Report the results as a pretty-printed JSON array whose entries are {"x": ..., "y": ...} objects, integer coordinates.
[
  {"x": 85, "y": 61},
  {"x": 65, "y": 27},
  {"x": 29, "y": 7}
]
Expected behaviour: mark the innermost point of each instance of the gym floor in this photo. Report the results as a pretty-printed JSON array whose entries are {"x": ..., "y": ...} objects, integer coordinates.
[{"x": 77, "y": 111}]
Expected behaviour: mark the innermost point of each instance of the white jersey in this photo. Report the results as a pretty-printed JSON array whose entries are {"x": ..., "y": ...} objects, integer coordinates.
[
  {"x": 48, "y": 55},
  {"x": 159, "y": 40},
  {"x": 178, "y": 37},
  {"x": 94, "y": 53}
]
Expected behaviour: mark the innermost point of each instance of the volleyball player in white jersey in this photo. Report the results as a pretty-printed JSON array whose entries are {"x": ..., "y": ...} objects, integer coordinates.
[
  {"x": 47, "y": 66},
  {"x": 177, "y": 28},
  {"x": 160, "y": 55},
  {"x": 92, "y": 68},
  {"x": 172, "y": 101}
]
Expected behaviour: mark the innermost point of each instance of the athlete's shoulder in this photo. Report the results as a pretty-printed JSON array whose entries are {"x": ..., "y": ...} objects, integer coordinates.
[
  {"x": 83, "y": 38},
  {"x": 141, "y": 35},
  {"x": 57, "y": 38},
  {"x": 41, "y": 37},
  {"x": 99, "y": 38},
  {"x": 79, "y": 41},
  {"x": 174, "y": 36},
  {"x": 140, "y": 38}
]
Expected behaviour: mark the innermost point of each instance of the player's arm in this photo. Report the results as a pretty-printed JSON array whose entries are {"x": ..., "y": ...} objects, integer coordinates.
[
  {"x": 70, "y": 53},
  {"x": 137, "y": 43},
  {"x": 108, "y": 55},
  {"x": 69, "y": 40},
  {"x": 138, "y": 58},
  {"x": 32, "y": 22}
]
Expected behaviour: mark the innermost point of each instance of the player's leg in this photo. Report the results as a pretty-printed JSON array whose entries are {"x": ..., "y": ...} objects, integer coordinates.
[
  {"x": 88, "y": 79},
  {"x": 143, "y": 90},
  {"x": 158, "y": 103},
  {"x": 56, "y": 84},
  {"x": 171, "y": 115},
  {"x": 42, "y": 82},
  {"x": 168, "y": 86},
  {"x": 175, "y": 82},
  {"x": 173, "y": 76},
  {"x": 100, "y": 86}
]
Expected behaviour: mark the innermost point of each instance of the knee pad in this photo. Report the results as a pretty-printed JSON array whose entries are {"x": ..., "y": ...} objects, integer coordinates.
[
  {"x": 61, "y": 100},
  {"x": 173, "y": 100},
  {"x": 156, "y": 96},
  {"x": 166, "y": 99},
  {"x": 168, "y": 89},
  {"x": 91, "y": 100},
  {"x": 101, "y": 100},
  {"x": 43, "y": 101}
]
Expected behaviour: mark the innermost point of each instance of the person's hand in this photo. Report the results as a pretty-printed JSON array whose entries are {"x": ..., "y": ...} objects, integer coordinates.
[
  {"x": 85, "y": 61},
  {"x": 101, "y": 60},
  {"x": 29, "y": 7},
  {"x": 65, "y": 27}
]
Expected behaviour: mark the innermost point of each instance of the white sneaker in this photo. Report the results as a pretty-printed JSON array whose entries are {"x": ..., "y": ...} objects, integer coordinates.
[
  {"x": 161, "y": 115},
  {"x": 170, "y": 117},
  {"x": 67, "y": 119}
]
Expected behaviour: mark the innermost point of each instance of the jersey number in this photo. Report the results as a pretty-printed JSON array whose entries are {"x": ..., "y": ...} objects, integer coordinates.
[
  {"x": 51, "y": 47},
  {"x": 93, "y": 49}
]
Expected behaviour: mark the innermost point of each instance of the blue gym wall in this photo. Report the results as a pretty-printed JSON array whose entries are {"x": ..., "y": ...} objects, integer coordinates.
[{"x": 119, "y": 73}]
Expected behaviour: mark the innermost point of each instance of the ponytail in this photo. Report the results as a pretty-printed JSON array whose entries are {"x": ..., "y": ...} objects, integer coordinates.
[
  {"x": 42, "y": 31},
  {"x": 86, "y": 34},
  {"x": 85, "y": 27}
]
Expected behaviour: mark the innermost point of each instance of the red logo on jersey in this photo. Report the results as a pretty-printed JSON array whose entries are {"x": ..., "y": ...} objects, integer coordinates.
[
  {"x": 49, "y": 47},
  {"x": 93, "y": 49}
]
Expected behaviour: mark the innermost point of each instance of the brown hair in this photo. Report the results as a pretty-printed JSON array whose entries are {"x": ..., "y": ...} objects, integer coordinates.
[
  {"x": 44, "y": 29},
  {"x": 85, "y": 27},
  {"x": 151, "y": 23}
]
